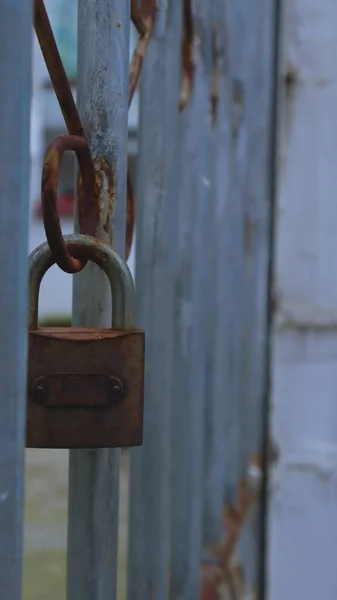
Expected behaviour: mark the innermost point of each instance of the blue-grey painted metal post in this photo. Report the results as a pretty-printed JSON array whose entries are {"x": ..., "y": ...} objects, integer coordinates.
[
  {"x": 261, "y": 77},
  {"x": 103, "y": 60},
  {"x": 242, "y": 222},
  {"x": 15, "y": 97},
  {"x": 191, "y": 253},
  {"x": 220, "y": 271},
  {"x": 222, "y": 446},
  {"x": 242, "y": 19},
  {"x": 149, "y": 528}
]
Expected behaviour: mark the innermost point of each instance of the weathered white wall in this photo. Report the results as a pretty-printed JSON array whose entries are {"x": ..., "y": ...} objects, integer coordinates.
[{"x": 303, "y": 504}]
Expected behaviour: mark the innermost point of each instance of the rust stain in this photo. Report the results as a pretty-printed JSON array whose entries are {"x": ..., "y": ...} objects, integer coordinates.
[
  {"x": 187, "y": 55},
  {"x": 90, "y": 181},
  {"x": 214, "y": 95},
  {"x": 137, "y": 18},
  {"x": 215, "y": 585},
  {"x": 223, "y": 579},
  {"x": 149, "y": 8},
  {"x": 105, "y": 183},
  {"x": 234, "y": 519},
  {"x": 211, "y": 578},
  {"x": 138, "y": 56}
]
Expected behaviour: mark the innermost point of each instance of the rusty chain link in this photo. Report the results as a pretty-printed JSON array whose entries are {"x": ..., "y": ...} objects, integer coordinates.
[
  {"x": 51, "y": 219},
  {"x": 76, "y": 141}
]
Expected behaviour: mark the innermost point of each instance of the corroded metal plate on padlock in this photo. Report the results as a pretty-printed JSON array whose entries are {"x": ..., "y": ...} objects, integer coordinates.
[
  {"x": 77, "y": 390},
  {"x": 85, "y": 388}
]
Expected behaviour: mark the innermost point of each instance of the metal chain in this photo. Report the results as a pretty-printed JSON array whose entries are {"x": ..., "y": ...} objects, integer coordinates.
[
  {"x": 51, "y": 167},
  {"x": 76, "y": 141}
]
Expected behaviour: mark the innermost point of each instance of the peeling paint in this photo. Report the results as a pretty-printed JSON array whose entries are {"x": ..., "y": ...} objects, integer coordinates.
[{"x": 105, "y": 183}]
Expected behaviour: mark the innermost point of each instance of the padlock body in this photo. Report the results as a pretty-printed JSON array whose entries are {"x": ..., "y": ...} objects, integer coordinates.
[{"x": 85, "y": 388}]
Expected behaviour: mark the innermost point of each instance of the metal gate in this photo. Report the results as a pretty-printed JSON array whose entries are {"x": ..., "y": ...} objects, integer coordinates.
[{"x": 202, "y": 207}]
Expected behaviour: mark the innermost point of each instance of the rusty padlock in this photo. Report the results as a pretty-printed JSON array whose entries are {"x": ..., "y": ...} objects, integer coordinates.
[{"x": 85, "y": 386}]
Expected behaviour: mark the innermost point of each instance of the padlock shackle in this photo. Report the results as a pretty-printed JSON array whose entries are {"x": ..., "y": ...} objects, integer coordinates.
[{"x": 86, "y": 248}]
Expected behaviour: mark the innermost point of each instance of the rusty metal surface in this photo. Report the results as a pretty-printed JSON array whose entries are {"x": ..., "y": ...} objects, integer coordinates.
[
  {"x": 91, "y": 423},
  {"x": 77, "y": 390},
  {"x": 88, "y": 198},
  {"x": 138, "y": 18},
  {"x": 222, "y": 577},
  {"x": 58, "y": 356},
  {"x": 139, "y": 52},
  {"x": 88, "y": 202},
  {"x": 87, "y": 189}
]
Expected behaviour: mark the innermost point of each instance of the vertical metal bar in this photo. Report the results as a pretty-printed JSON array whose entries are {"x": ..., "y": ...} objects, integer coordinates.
[
  {"x": 189, "y": 327},
  {"x": 217, "y": 338},
  {"x": 241, "y": 179},
  {"x": 223, "y": 469},
  {"x": 244, "y": 40},
  {"x": 239, "y": 59},
  {"x": 103, "y": 60},
  {"x": 15, "y": 77},
  {"x": 257, "y": 255},
  {"x": 156, "y": 222}
]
